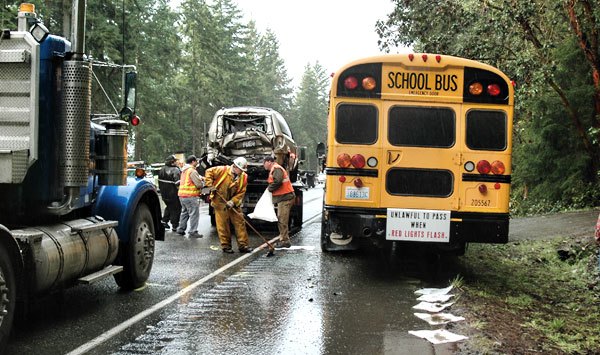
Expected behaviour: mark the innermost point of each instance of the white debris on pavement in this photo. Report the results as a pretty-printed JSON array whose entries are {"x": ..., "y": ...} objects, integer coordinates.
[
  {"x": 436, "y": 291},
  {"x": 432, "y": 307},
  {"x": 439, "y": 336},
  {"x": 299, "y": 247},
  {"x": 434, "y": 297},
  {"x": 439, "y": 318},
  {"x": 432, "y": 301}
]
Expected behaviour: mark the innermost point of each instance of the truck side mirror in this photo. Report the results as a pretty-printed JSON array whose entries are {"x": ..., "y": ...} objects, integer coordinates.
[
  {"x": 129, "y": 88},
  {"x": 302, "y": 153},
  {"x": 320, "y": 149}
]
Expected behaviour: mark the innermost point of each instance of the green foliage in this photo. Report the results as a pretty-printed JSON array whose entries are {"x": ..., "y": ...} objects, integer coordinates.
[{"x": 548, "y": 299}]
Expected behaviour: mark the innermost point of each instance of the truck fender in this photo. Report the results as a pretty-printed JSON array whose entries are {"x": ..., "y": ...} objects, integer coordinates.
[
  {"x": 13, "y": 284},
  {"x": 118, "y": 203},
  {"x": 14, "y": 251}
]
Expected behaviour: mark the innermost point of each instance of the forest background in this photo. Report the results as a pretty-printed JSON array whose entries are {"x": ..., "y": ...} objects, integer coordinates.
[{"x": 201, "y": 56}]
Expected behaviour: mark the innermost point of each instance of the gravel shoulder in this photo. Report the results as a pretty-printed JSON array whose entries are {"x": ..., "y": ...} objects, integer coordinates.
[{"x": 566, "y": 224}]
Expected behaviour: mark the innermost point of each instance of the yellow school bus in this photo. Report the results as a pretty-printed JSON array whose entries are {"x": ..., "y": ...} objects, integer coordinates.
[{"x": 418, "y": 151}]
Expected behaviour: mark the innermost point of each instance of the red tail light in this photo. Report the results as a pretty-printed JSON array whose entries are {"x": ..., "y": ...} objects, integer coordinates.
[
  {"x": 358, "y": 161},
  {"x": 498, "y": 168},
  {"x": 344, "y": 160},
  {"x": 135, "y": 120},
  {"x": 358, "y": 183},
  {"x": 484, "y": 167},
  {"x": 140, "y": 172},
  {"x": 350, "y": 83},
  {"x": 482, "y": 188},
  {"x": 342, "y": 178},
  {"x": 493, "y": 89}
]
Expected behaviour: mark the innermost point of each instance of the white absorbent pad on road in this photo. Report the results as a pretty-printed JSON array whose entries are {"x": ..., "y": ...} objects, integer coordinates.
[
  {"x": 299, "y": 247},
  {"x": 439, "y": 318},
  {"x": 434, "y": 291},
  {"x": 439, "y": 336},
  {"x": 434, "y": 297},
  {"x": 264, "y": 209},
  {"x": 432, "y": 307}
]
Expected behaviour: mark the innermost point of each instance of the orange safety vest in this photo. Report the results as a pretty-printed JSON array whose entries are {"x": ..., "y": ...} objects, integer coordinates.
[
  {"x": 286, "y": 186},
  {"x": 187, "y": 187}
]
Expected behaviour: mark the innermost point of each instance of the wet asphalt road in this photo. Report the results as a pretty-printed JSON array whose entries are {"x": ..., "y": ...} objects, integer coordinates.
[{"x": 301, "y": 301}]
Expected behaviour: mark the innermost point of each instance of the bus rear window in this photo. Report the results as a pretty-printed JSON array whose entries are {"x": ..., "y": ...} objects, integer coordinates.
[
  {"x": 421, "y": 127},
  {"x": 356, "y": 124},
  {"x": 486, "y": 130}
]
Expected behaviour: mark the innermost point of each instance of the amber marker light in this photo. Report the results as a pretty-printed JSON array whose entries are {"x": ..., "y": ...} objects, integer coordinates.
[
  {"x": 498, "y": 167},
  {"x": 140, "y": 173},
  {"x": 475, "y": 89},
  {"x": 27, "y": 7},
  {"x": 344, "y": 160},
  {"x": 369, "y": 83}
]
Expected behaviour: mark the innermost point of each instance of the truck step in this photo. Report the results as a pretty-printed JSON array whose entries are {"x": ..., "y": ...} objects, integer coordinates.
[
  {"x": 99, "y": 275},
  {"x": 95, "y": 226}
]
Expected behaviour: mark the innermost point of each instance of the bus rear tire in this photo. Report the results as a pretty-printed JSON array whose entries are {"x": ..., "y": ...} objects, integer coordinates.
[
  {"x": 324, "y": 238},
  {"x": 137, "y": 255}
]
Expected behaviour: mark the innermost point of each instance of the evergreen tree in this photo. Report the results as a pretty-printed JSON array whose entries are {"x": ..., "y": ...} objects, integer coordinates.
[{"x": 309, "y": 118}]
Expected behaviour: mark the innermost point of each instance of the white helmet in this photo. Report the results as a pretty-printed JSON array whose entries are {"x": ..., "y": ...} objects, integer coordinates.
[{"x": 241, "y": 163}]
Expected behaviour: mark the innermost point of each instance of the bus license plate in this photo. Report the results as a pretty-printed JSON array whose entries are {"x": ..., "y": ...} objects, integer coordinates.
[
  {"x": 418, "y": 225},
  {"x": 355, "y": 193}
]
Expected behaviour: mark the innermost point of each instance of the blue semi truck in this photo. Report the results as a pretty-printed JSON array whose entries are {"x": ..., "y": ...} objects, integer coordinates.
[{"x": 68, "y": 212}]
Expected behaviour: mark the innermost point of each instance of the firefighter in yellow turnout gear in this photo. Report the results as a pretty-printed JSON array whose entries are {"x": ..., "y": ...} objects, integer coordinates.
[{"x": 228, "y": 187}]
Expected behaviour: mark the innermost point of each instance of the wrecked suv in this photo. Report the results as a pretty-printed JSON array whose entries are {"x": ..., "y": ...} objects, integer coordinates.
[{"x": 252, "y": 133}]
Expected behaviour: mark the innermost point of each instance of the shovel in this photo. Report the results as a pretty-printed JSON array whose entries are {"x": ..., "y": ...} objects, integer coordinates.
[{"x": 271, "y": 251}]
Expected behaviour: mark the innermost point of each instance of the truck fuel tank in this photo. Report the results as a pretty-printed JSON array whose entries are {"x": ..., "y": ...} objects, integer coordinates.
[{"x": 61, "y": 253}]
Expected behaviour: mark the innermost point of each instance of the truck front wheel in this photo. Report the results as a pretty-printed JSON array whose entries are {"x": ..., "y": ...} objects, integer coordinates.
[
  {"x": 7, "y": 296},
  {"x": 137, "y": 254}
]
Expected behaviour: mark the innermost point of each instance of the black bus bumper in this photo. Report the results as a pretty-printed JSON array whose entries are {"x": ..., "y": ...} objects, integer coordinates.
[{"x": 465, "y": 228}]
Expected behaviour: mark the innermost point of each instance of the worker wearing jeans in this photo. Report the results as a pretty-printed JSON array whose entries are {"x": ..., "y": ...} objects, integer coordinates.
[{"x": 189, "y": 196}]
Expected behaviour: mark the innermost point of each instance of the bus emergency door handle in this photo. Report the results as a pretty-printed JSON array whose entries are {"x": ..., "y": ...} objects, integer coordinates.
[{"x": 393, "y": 156}]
